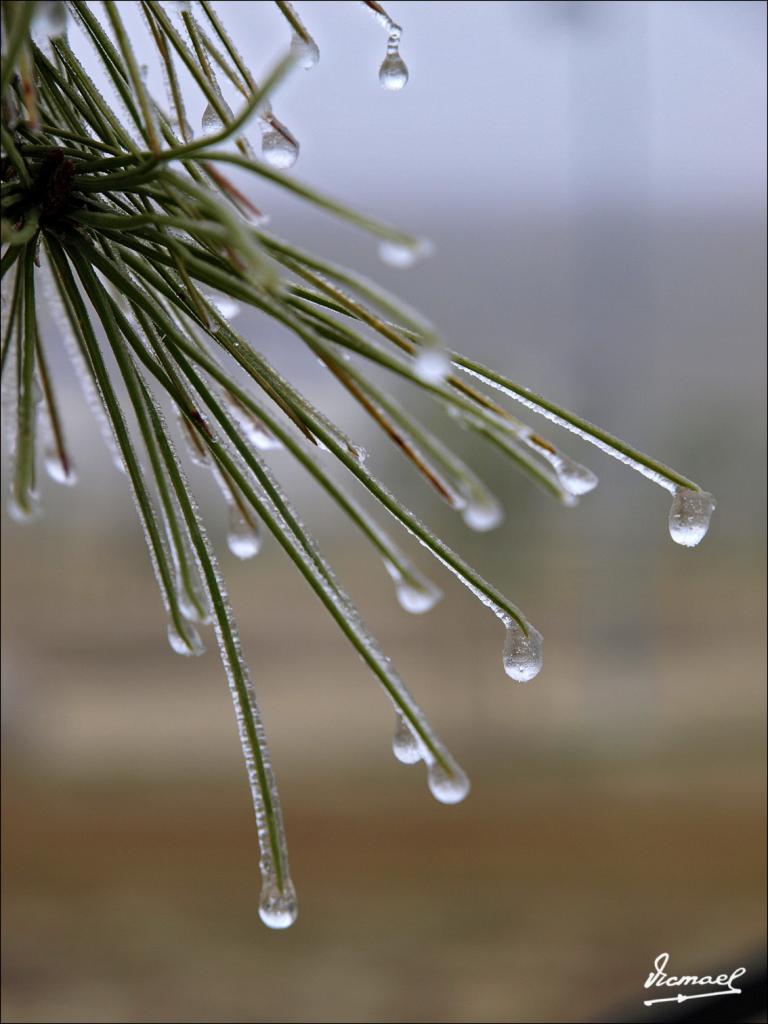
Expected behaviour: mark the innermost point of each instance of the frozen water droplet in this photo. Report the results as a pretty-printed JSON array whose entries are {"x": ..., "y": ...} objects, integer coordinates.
[
  {"x": 575, "y": 478},
  {"x": 25, "y": 513},
  {"x": 689, "y": 516},
  {"x": 190, "y": 645},
  {"x": 417, "y": 600},
  {"x": 57, "y": 471},
  {"x": 306, "y": 51},
  {"x": 212, "y": 122},
  {"x": 279, "y": 151},
  {"x": 415, "y": 593},
  {"x": 191, "y": 611},
  {"x": 449, "y": 787},
  {"x": 278, "y": 909},
  {"x": 482, "y": 512},
  {"x": 393, "y": 73},
  {"x": 404, "y": 254},
  {"x": 243, "y": 539},
  {"x": 180, "y": 5},
  {"x": 405, "y": 746},
  {"x": 260, "y": 437},
  {"x": 432, "y": 365},
  {"x": 227, "y": 307},
  {"x": 522, "y": 653}
]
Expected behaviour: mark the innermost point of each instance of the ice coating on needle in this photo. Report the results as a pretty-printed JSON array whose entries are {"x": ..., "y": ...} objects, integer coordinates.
[
  {"x": 522, "y": 652},
  {"x": 689, "y": 516}
]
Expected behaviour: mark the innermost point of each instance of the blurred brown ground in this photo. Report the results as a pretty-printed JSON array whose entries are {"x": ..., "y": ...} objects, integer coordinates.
[{"x": 616, "y": 808}]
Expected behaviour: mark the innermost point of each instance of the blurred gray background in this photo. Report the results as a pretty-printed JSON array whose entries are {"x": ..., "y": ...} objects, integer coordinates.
[{"x": 593, "y": 178}]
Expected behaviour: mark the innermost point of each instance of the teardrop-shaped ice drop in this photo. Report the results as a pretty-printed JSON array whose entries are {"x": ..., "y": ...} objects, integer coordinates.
[
  {"x": 279, "y": 151},
  {"x": 305, "y": 50},
  {"x": 522, "y": 652},
  {"x": 415, "y": 593},
  {"x": 244, "y": 538},
  {"x": 689, "y": 516},
  {"x": 417, "y": 598},
  {"x": 190, "y": 644},
  {"x": 405, "y": 746},
  {"x": 227, "y": 307},
  {"x": 404, "y": 254},
  {"x": 211, "y": 121},
  {"x": 261, "y": 438},
  {"x": 194, "y": 611},
  {"x": 447, "y": 786},
  {"x": 393, "y": 74},
  {"x": 432, "y": 365},
  {"x": 58, "y": 471},
  {"x": 278, "y": 908},
  {"x": 482, "y": 512},
  {"x": 26, "y": 513},
  {"x": 575, "y": 478}
]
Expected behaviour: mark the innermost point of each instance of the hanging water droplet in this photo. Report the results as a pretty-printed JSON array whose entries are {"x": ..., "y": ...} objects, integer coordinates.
[
  {"x": 278, "y": 909},
  {"x": 244, "y": 538},
  {"x": 404, "y": 254},
  {"x": 58, "y": 471},
  {"x": 261, "y": 438},
  {"x": 522, "y": 652},
  {"x": 405, "y": 746},
  {"x": 211, "y": 121},
  {"x": 689, "y": 516},
  {"x": 305, "y": 50},
  {"x": 194, "y": 611},
  {"x": 449, "y": 787},
  {"x": 482, "y": 511},
  {"x": 575, "y": 478},
  {"x": 393, "y": 73},
  {"x": 415, "y": 593},
  {"x": 432, "y": 365},
  {"x": 189, "y": 644},
  {"x": 229, "y": 308},
  {"x": 279, "y": 151},
  {"x": 25, "y": 513}
]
